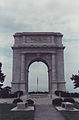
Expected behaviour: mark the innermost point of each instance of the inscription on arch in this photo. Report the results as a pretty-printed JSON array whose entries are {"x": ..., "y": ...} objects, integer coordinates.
[{"x": 38, "y": 39}]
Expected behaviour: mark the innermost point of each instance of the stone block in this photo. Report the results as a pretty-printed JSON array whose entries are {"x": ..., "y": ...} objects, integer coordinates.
[
  {"x": 21, "y": 105},
  {"x": 68, "y": 105}
]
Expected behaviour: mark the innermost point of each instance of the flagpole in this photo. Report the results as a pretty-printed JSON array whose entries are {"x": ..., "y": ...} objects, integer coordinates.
[{"x": 37, "y": 84}]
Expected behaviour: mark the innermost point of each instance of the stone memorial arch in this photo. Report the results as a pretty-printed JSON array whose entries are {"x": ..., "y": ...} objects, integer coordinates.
[{"x": 46, "y": 47}]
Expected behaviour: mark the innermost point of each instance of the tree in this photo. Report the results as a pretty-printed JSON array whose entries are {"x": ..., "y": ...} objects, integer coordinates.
[
  {"x": 75, "y": 79},
  {"x": 2, "y": 76}
]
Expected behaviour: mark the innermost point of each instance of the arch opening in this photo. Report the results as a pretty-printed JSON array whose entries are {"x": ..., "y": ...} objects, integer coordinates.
[{"x": 38, "y": 77}]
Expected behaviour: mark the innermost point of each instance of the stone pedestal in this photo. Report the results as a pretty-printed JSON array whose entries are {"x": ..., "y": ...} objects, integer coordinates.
[
  {"x": 21, "y": 105},
  {"x": 68, "y": 105}
]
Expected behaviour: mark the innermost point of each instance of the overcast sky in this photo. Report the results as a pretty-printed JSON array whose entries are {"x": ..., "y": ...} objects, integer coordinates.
[{"x": 40, "y": 15}]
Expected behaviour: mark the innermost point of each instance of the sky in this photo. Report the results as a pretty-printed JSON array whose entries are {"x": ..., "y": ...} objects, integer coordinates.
[{"x": 39, "y": 16}]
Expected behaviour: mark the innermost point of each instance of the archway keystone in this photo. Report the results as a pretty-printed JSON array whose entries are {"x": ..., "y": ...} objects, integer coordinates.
[{"x": 38, "y": 46}]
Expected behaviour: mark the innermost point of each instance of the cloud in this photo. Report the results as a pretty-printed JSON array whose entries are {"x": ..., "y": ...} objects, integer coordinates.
[
  {"x": 7, "y": 69},
  {"x": 71, "y": 61},
  {"x": 44, "y": 15}
]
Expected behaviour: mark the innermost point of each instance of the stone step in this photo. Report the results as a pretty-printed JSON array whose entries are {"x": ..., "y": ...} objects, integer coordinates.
[
  {"x": 39, "y": 95},
  {"x": 38, "y": 100}
]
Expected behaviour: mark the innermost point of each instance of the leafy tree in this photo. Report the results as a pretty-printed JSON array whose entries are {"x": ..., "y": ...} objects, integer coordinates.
[
  {"x": 75, "y": 79},
  {"x": 2, "y": 76}
]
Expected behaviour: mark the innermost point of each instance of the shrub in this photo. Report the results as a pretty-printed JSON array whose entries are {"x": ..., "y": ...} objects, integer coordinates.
[
  {"x": 62, "y": 93},
  {"x": 69, "y": 100},
  {"x": 57, "y": 102},
  {"x": 57, "y": 92},
  {"x": 39, "y": 92},
  {"x": 65, "y": 94},
  {"x": 11, "y": 96},
  {"x": 7, "y": 95},
  {"x": 30, "y": 102},
  {"x": 76, "y": 95},
  {"x": 7, "y": 89},
  {"x": 17, "y": 100},
  {"x": 18, "y": 93}
]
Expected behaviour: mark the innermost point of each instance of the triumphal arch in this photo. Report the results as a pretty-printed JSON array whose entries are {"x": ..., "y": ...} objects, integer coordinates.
[{"x": 46, "y": 47}]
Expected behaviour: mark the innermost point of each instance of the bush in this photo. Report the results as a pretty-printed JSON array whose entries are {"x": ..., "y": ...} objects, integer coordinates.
[
  {"x": 39, "y": 92},
  {"x": 7, "y": 89},
  {"x": 66, "y": 94},
  {"x": 4, "y": 93},
  {"x": 69, "y": 100},
  {"x": 17, "y": 100},
  {"x": 57, "y": 102},
  {"x": 57, "y": 92},
  {"x": 76, "y": 95},
  {"x": 18, "y": 93},
  {"x": 30, "y": 102},
  {"x": 7, "y": 95},
  {"x": 11, "y": 96},
  {"x": 62, "y": 93}
]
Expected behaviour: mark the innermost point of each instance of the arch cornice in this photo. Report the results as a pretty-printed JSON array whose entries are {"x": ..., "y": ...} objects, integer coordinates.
[
  {"x": 37, "y": 34},
  {"x": 37, "y": 46}
]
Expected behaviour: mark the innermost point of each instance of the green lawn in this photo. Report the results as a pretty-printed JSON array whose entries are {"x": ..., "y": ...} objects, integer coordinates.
[
  {"x": 6, "y": 114},
  {"x": 68, "y": 115}
]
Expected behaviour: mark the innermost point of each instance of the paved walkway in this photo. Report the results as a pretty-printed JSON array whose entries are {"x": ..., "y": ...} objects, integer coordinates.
[{"x": 47, "y": 112}]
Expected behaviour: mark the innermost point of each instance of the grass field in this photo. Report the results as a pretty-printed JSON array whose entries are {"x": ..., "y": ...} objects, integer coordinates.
[
  {"x": 70, "y": 115},
  {"x": 6, "y": 114}
]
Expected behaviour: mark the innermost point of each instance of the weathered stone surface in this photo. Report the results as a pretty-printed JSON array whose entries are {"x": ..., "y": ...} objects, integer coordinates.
[
  {"x": 21, "y": 105},
  {"x": 68, "y": 105},
  {"x": 46, "y": 47}
]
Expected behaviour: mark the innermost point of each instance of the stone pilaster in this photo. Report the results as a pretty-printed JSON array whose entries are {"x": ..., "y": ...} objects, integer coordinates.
[
  {"x": 22, "y": 68},
  {"x": 54, "y": 80},
  {"x": 50, "y": 81},
  {"x": 60, "y": 69},
  {"x": 16, "y": 71},
  {"x": 22, "y": 81},
  {"x": 27, "y": 72}
]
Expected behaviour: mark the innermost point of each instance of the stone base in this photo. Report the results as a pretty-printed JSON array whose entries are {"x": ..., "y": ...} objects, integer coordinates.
[
  {"x": 26, "y": 109},
  {"x": 21, "y": 105},
  {"x": 18, "y": 87},
  {"x": 61, "y": 86}
]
